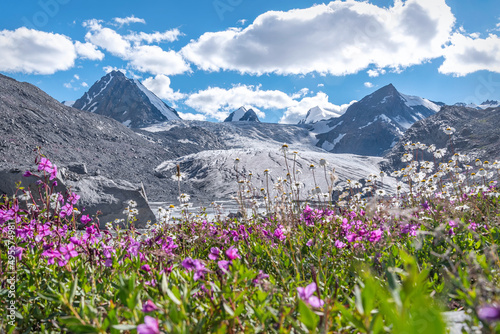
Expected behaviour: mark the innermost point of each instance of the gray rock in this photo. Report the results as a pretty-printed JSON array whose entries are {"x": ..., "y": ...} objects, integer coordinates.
[
  {"x": 97, "y": 194},
  {"x": 110, "y": 198},
  {"x": 78, "y": 168}
]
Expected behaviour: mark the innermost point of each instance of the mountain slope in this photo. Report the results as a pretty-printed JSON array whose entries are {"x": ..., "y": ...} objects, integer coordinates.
[
  {"x": 373, "y": 125},
  {"x": 125, "y": 100},
  {"x": 476, "y": 134},
  {"x": 242, "y": 115}
]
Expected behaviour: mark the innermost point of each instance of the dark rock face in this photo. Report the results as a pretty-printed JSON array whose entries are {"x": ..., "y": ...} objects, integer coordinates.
[
  {"x": 242, "y": 115},
  {"x": 126, "y": 101},
  {"x": 477, "y": 134},
  {"x": 375, "y": 124}
]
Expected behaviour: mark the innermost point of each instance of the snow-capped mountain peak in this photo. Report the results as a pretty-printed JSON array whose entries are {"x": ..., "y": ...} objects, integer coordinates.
[
  {"x": 375, "y": 123},
  {"x": 126, "y": 100},
  {"x": 242, "y": 115}
]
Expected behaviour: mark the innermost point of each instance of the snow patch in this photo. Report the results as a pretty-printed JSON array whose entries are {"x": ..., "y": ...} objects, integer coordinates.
[
  {"x": 338, "y": 139},
  {"x": 186, "y": 141},
  {"x": 412, "y": 101},
  {"x": 127, "y": 123},
  {"x": 157, "y": 102}
]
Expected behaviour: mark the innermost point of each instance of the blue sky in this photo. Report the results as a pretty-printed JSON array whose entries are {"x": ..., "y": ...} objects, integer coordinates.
[{"x": 206, "y": 58}]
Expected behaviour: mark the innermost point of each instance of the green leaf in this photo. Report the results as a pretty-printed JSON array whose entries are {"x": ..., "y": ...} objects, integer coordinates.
[
  {"x": 72, "y": 293},
  {"x": 172, "y": 296},
  {"x": 307, "y": 316},
  {"x": 164, "y": 284}
]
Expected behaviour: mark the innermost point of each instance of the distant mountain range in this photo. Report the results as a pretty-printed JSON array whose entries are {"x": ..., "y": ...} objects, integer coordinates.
[
  {"x": 148, "y": 152},
  {"x": 373, "y": 125},
  {"x": 125, "y": 100},
  {"x": 242, "y": 115}
]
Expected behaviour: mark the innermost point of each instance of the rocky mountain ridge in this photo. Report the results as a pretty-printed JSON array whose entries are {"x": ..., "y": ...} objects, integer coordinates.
[{"x": 125, "y": 100}]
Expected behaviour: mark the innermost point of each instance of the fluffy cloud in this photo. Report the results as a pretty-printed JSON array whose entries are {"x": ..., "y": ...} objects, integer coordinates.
[
  {"x": 368, "y": 84},
  {"x": 216, "y": 102},
  {"x": 297, "y": 110},
  {"x": 338, "y": 38},
  {"x": 121, "y": 21},
  {"x": 35, "y": 52},
  {"x": 156, "y": 37},
  {"x": 107, "y": 39},
  {"x": 160, "y": 85},
  {"x": 88, "y": 51},
  {"x": 155, "y": 60},
  {"x": 192, "y": 117},
  {"x": 144, "y": 58},
  {"x": 468, "y": 54}
]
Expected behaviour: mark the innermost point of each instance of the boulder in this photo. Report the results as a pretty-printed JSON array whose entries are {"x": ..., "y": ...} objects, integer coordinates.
[{"x": 97, "y": 194}]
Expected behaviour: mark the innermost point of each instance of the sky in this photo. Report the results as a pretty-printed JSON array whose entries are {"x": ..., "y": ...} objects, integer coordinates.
[{"x": 281, "y": 58}]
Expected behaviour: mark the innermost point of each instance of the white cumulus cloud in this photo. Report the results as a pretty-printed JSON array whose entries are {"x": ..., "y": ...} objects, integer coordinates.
[
  {"x": 368, "y": 84},
  {"x": 160, "y": 85},
  {"x": 144, "y": 58},
  {"x": 192, "y": 117},
  {"x": 35, "y": 52},
  {"x": 155, "y": 37},
  {"x": 88, "y": 51},
  {"x": 467, "y": 55},
  {"x": 338, "y": 38},
  {"x": 128, "y": 20}
]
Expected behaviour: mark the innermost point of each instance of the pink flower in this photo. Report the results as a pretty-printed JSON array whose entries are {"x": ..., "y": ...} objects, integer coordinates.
[
  {"x": 232, "y": 253},
  {"x": 306, "y": 294},
  {"x": 452, "y": 223},
  {"x": 53, "y": 174},
  {"x": 146, "y": 268},
  {"x": 27, "y": 173},
  {"x": 188, "y": 264},
  {"x": 339, "y": 244},
  {"x": 309, "y": 243},
  {"x": 376, "y": 235},
  {"x": 214, "y": 253},
  {"x": 149, "y": 306},
  {"x": 73, "y": 198},
  {"x": 66, "y": 210},
  {"x": 18, "y": 252},
  {"x": 224, "y": 265},
  {"x": 150, "y": 326},
  {"x": 85, "y": 219},
  {"x": 68, "y": 251},
  {"x": 45, "y": 165}
]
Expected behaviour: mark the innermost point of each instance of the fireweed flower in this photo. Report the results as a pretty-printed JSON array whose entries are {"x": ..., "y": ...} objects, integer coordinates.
[
  {"x": 73, "y": 198},
  {"x": 146, "y": 268},
  {"x": 260, "y": 277},
  {"x": 85, "y": 219},
  {"x": 45, "y": 165},
  {"x": 149, "y": 306},
  {"x": 68, "y": 251},
  {"x": 489, "y": 313},
  {"x": 214, "y": 253},
  {"x": 306, "y": 294},
  {"x": 150, "y": 326},
  {"x": 339, "y": 244},
  {"x": 66, "y": 210},
  {"x": 224, "y": 265},
  {"x": 232, "y": 253}
]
